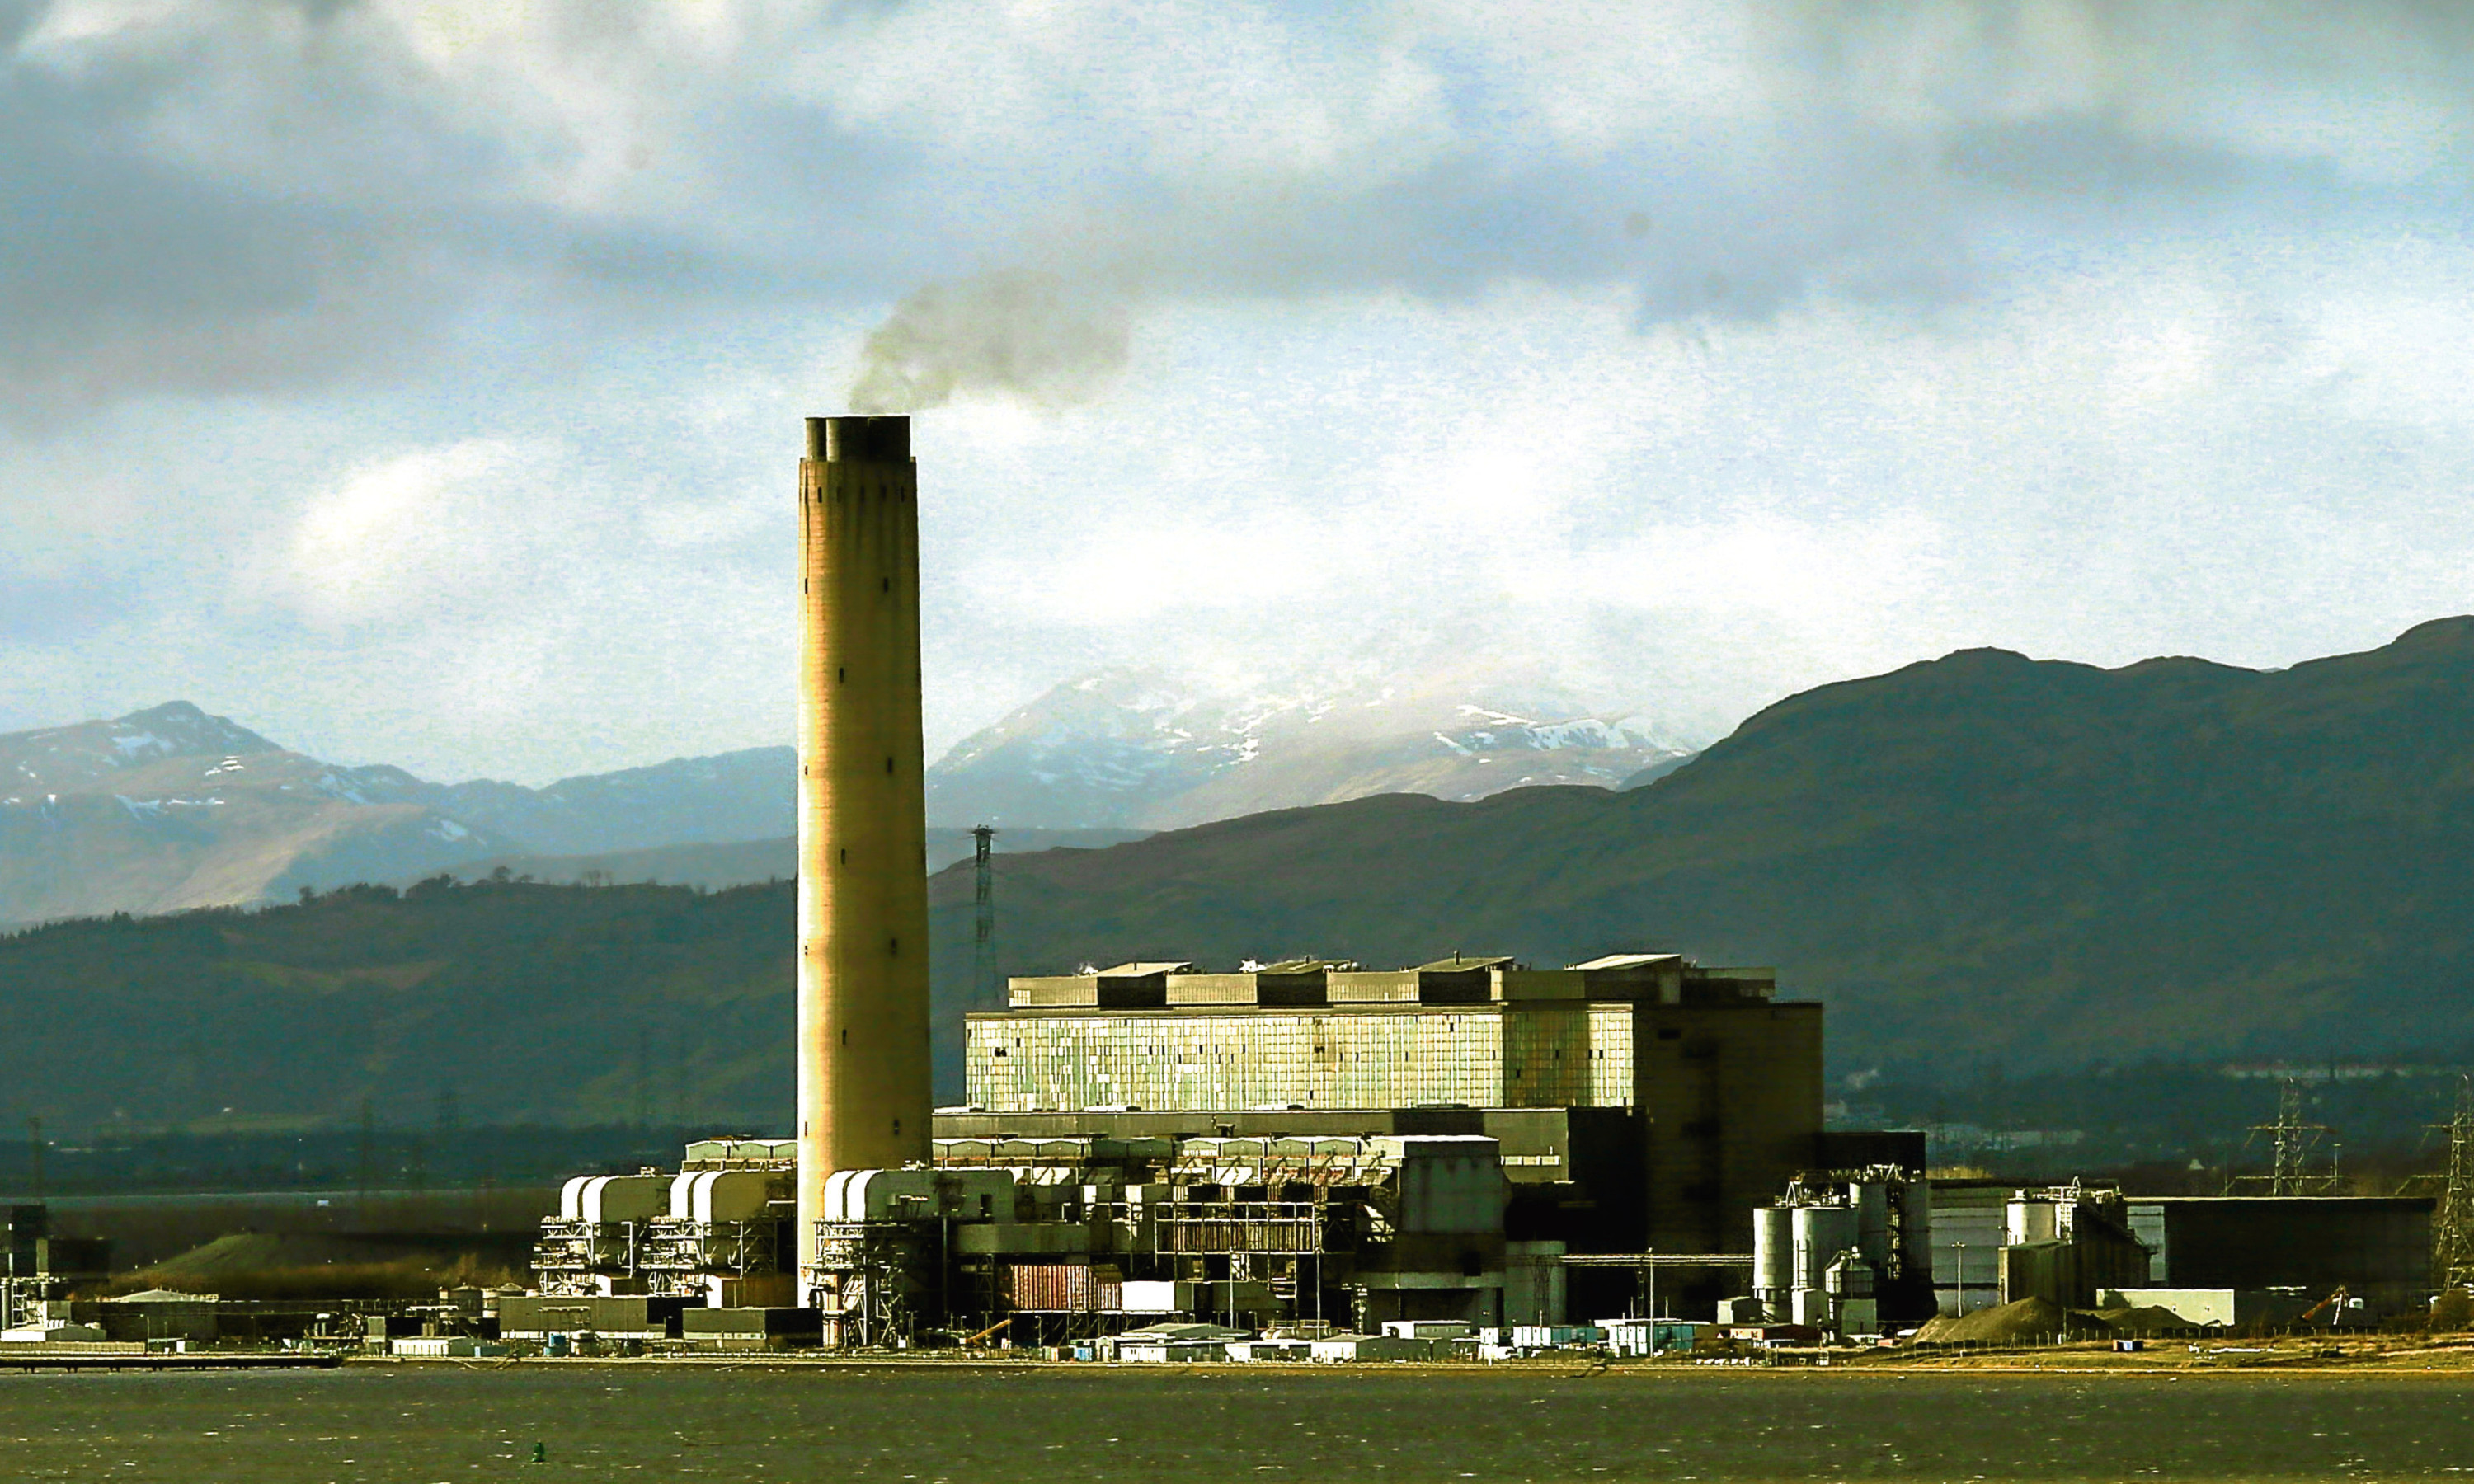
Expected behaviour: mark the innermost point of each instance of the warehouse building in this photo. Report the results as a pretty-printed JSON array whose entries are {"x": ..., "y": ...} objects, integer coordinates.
[{"x": 2375, "y": 1248}]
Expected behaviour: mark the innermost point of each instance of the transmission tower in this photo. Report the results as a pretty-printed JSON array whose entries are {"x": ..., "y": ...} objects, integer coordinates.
[
  {"x": 984, "y": 953},
  {"x": 2292, "y": 1144},
  {"x": 2452, "y": 1234}
]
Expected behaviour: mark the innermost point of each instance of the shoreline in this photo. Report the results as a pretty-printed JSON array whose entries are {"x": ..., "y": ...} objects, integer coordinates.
[{"x": 2175, "y": 1365}]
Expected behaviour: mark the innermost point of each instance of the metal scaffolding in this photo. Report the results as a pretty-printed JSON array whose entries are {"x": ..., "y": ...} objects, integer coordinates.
[
  {"x": 864, "y": 1281},
  {"x": 573, "y": 1256},
  {"x": 677, "y": 1256},
  {"x": 1219, "y": 1228}
]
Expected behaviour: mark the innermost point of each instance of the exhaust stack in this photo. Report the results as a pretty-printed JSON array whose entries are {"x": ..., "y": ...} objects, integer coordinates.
[{"x": 865, "y": 1099}]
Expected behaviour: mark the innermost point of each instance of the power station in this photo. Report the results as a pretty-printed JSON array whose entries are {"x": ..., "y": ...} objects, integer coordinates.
[
  {"x": 1175, "y": 1158},
  {"x": 1313, "y": 1143}
]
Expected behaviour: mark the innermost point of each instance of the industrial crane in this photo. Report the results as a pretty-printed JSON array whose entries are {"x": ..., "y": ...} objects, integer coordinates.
[
  {"x": 989, "y": 1330},
  {"x": 2333, "y": 1305}
]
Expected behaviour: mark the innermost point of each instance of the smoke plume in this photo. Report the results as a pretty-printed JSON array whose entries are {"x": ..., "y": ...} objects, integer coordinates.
[{"x": 1017, "y": 333}]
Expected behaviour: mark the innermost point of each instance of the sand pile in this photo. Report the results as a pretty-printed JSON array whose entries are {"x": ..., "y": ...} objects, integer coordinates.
[
  {"x": 2026, "y": 1322},
  {"x": 2148, "y": 1320},
  {"x": 302, "y": 1265}
]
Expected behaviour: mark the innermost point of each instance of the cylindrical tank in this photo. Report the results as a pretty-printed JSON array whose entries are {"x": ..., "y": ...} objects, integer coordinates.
[
  {"x": 604, "y": 1199},
  {"x": 862, "y": 966},
  {"x": 728, "y": 1195},
  {"x": 1821, "y": 1234},
  {"x": 1773, "y": 1253},
  {"x": 2031, "y": 1221}
]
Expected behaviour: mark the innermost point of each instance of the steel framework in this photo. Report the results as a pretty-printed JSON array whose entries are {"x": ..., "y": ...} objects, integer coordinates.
[
  {"x": 864, "y": 1282},
  {"x": 2452, "y": 1234},
  {"x": 2292, "y": 1144}
]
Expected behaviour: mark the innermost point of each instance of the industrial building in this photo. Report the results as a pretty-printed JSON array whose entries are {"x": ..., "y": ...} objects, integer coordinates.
[
  {"x": 1841, "y": 1253},
  {"x": 1997, "y": 1243},
  {"x": 41, "y": 1268},
  {"x": 1714, "y": 1084},
  {"x": 715, "y": 1233},
  {"x": 1629, "y": 1110},
  {"x": 1473, "y": 1140},
  {"x": 1350, "y": 1158}
]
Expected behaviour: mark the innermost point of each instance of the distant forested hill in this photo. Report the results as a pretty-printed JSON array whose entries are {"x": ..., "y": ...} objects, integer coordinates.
[
  {"x": 1980, "y": 861},
  {"x": 483, "y": 1004}
]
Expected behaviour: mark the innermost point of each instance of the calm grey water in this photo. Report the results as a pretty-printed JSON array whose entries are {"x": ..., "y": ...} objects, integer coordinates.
[{"x": 424, "y": 1423}]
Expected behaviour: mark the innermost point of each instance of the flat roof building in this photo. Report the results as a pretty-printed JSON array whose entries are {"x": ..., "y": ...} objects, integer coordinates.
[{"x": 1714, "y": 1084}]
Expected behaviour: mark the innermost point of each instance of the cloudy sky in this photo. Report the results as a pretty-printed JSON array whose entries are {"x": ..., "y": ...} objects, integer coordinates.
[{"x": 419, "y": 381}]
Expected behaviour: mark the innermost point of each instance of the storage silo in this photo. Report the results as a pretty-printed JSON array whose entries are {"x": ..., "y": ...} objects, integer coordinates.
[{"x": 1773, "y": 1256}]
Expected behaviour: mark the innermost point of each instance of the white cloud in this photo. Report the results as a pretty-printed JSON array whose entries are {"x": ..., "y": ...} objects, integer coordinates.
[
  {"x": 422, "y": 530},
  {"x": 422, "y": 380}
]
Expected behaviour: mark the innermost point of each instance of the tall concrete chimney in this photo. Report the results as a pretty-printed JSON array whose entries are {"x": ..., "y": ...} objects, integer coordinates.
[{"x": 865, "y": 1099}]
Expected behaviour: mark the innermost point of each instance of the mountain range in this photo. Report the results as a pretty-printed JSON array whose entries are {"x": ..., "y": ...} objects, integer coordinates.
[
  {"x": 1140, "y": 749},
  {"x": 1982, "y": 864},
  {"x": 170, "y": 808},
  {"x": 1982, "y": 861}
]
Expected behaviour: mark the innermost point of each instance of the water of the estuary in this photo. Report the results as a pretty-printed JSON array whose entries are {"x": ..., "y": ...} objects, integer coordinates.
[{"x": 434, "y": 1423}]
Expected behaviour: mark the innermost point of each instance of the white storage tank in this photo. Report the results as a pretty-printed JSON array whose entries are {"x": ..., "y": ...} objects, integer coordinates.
[
  {"x": 1773, "y": 1252},
  {"x": 2032, "y": 1220},
  {"x": 1821, "y": 1234}
]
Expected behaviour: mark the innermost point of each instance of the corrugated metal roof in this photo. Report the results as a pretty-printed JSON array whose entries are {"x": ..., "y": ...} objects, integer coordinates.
[
  {"x": 1464, "y": 964},
  {"x": 1146, "y": 968}
]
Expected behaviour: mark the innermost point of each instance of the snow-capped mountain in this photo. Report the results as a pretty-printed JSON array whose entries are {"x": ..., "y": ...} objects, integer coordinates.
[
  {"x": 170, "y": 807},
  {"x": 1138, "y": 749},
  {"x": 80, "y": 759}
]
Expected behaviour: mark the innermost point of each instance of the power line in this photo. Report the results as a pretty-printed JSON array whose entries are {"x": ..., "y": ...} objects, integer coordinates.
[
  {"x": 2292, "y": 1145},
  {"x": 2452, "y": 1234}
]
